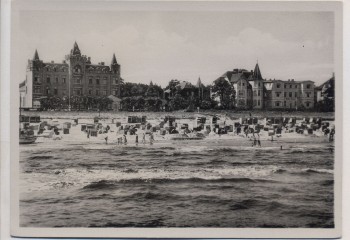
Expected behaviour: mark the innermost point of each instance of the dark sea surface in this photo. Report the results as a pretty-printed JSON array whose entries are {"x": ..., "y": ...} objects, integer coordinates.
[{"x": 208, "y": 183}]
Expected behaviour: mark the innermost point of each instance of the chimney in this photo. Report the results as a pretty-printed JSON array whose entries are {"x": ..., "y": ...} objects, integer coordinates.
[
  {"x": 64, "y": 61},
  {"x": 52, "y": 62},
  {"x": 102, "y": 63}
]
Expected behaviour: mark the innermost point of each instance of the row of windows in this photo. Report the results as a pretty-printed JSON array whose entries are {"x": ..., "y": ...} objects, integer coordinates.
[
  {"x": 290, "y": 94},
  {"x": 48, "y": 80},
  {"x": 76, "y": 92},
  {"x": 279, "y": 104},
  {"x": 279, "y": 85},
  {"x": 77, "y": 80}
]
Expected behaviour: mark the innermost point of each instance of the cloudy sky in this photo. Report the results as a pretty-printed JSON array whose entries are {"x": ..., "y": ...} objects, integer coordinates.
[{"x": 165, "y": 45}]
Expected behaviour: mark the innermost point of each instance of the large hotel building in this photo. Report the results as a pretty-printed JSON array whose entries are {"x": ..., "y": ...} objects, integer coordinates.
[{"x": 76, "y": 75}]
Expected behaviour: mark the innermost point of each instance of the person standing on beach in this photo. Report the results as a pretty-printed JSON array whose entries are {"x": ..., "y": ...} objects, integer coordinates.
[
  {"x": 106, "y": 139},
  {"x": 254, "y": 140},
  {"x": 125, "y": 140},
  {"x": 259, "y": 143},
  {"x": 137, "y": 139},
  {"x": 144, "y": 138},
  {"x": 150, "y": 138}
]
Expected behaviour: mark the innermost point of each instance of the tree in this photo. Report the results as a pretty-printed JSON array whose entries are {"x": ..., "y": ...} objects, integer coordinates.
[{"x": 223, "y": 90}]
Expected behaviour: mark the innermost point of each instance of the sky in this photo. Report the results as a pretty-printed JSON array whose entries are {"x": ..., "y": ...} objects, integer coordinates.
[{"x": 162, "y": 45}]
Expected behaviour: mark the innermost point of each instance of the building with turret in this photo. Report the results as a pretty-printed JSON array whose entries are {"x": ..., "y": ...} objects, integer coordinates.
[
  {"x": 254, "y": 92},
  {"x": 74, "y": 76}
]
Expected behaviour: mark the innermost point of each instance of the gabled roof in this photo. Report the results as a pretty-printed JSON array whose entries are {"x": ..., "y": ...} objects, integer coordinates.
[
  {"x": 184, "y": 84},
  {"x": 329, "y": 81}
]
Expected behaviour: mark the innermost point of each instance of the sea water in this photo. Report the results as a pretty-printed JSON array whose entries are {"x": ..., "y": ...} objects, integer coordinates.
[{"x": 201, "y": 183}]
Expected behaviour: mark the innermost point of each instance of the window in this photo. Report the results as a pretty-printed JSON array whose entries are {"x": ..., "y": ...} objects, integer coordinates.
[
  {"x": 307, "y": 94},
  {"x": 37, "y": 89},
  {"x": 77, "y": 91},
  {"x": 243, "y": 84},
  {"x": 98, "y": 81},
  {"x": 97, "y": 92},
  {"x": 290, "y": 94},
  {"x": 64, "y": 80},
  {"x": 77, "y": 69},
  {"x": 55, "y": 91},
  {"x": 259, "y": 92},
  {"x": 54, "y": 69},
  {"x": 258, "y": 102},
  {"x": 308, "y": 86},
  {"x": 104, "y": 92},
  {"x": 78, "y": 80},
  {"x": 64, "y": 93},
  {"x": 240, "y": 93},
  {"x": 290, "y": 86},
  {"x": 296, "y": 94},
  {"x": 285, "y": 103},
  {"x": 48, "y": 80},
  {"x": 285, "y": 85},
  {"x": 47, "y": 91},
  {"x": 114, "y": 92},
  {"x": 90, "y": 92},
  {"x": 296, "y": 86},
  {"x": 277, "y": 104},
  {"x": 36, "y": 79},
  {"x": 56, "y": 79},
  {"x": 278, "y": 85},
  {"x": 278, "y": 94},
  {"x": 308, "y": 104},
  {"x": 90, "y": 80},
  {"x": 285, "y": 94},
  {"x": 104, "y": 81},
  {"x": 259, "y": 84}
]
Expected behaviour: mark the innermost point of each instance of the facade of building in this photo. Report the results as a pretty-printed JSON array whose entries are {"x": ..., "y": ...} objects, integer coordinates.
[
  {"x": 75, "y": 76},
  {"x": 254, "y": 92}
]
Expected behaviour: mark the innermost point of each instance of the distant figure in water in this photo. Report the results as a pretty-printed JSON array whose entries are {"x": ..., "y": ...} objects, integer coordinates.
[
  {"x": 137, "y": 139},
  {"x": 281, "y": 147},
  {"x": 88, "y": 134},
  {"x": 106, "y": 139},
  {"x": 259, "y": 143},
  {"x": 125, "y": 140}
]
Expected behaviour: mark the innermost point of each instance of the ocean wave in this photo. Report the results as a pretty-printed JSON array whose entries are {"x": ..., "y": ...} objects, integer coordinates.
[
  {"x": 105, "y": 184},
  {"x": 313, "y": 170},
  {"x": 41, "y": 157},
  {"x": 245, "y": 204},
  {"x": 279, "y": 170}
]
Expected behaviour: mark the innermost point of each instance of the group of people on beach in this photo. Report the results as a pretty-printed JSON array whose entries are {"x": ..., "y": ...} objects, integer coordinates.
[{"x": 123, "y": 140}]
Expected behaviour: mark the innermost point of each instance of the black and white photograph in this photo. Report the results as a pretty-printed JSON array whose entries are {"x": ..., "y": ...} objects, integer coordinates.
[{"x": 176, "y": 115}]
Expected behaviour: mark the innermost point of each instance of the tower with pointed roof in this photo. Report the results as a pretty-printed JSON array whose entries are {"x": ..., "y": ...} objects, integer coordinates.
[{"x": 257, "y": 88}]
